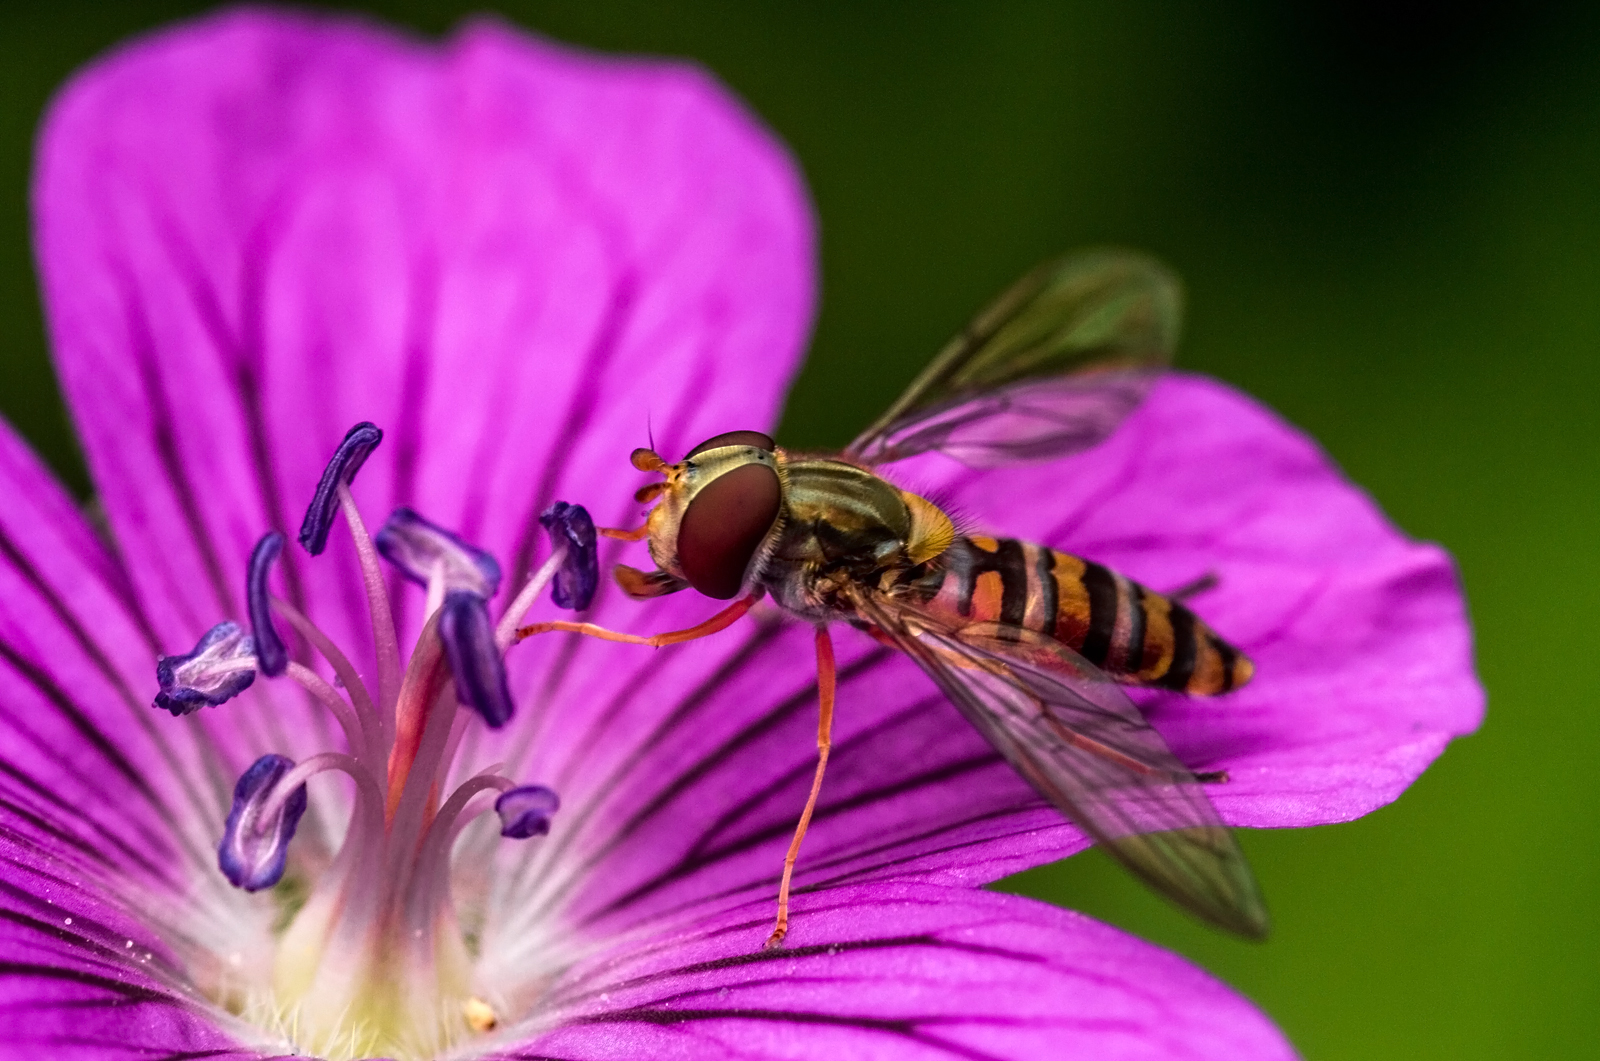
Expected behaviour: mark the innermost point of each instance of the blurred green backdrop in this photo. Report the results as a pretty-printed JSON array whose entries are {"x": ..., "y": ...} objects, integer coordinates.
[{"x": 1388, "y": 219}]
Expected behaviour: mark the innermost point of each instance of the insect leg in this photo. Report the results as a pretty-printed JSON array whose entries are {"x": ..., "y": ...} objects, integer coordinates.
[
  {"x": 825, "y": 690},
  {"x": 720, "y": 621},
  {"x": 638, "y": 534},
  {"x": 1205, "y": 582}
]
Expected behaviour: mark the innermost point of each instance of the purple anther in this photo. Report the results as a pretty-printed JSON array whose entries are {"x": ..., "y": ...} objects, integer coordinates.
[
  {"x": 271, "y": 656},
  {"x": 475, "y": 660},
  {"x": 221, "y": 667},
  {"x": 255, "y": 847},
  {"x": 419, "y": 547},
  {"x": 526, "y": 811},
  {"x": 579, "y": 576},
  {"x": 358, "y": 442}
]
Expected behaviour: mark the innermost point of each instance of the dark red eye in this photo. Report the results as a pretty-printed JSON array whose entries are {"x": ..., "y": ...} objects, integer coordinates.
[
  {"x": 735, "y": 438},
  {"x": 723, "y": 526}
]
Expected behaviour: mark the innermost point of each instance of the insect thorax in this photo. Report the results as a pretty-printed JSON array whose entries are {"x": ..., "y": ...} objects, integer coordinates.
[{"x": 843, "y": 523}]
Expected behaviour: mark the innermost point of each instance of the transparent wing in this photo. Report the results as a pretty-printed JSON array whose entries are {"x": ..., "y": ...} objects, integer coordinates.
[
  {"x": 1051, "y": 367},
  {"x": 1078, "y": 739}
]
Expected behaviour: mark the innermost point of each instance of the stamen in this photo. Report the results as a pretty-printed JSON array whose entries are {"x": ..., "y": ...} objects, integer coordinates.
[
  {"x": 529, "y": 808},
  {"x": 579, "y": 575},
  {"x": 358, "y": 442},
  {"x": 425, "y": 552},
  {"x": 355, "y": 733},
  {"x": 436, "y": 591},
  {"x": 283, "y": 790},
  {"x": 384, "y": 640},
  {"x": 506, "y": 631},
  {"x": 526, "y": 811},
  {"x": 433, "y": 857},
  {"x": 255, "y": 845},
  {"x": 270, "y": 653},
  {"x": 376, "y": 944},
  {"x": 222, "y": 665},
  {"x": 458, "y": 730},
  {"x": 342, "y": 667},
  {"x": 475, "y": 660}
]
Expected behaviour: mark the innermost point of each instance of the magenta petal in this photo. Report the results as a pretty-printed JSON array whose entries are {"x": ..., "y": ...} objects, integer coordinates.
[
  {"x": 107, "y": 819},
  {"x": 87, "y": 766},
  {"x": 257, "y": 229},
  {"x": 901, "y": 971},
  {"x": 83, "y": 979}
]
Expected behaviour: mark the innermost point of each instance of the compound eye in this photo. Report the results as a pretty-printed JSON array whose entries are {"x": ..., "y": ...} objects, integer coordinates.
[
  {"x": 735, "y": 438},
  {"x": 723, "y": 527}
]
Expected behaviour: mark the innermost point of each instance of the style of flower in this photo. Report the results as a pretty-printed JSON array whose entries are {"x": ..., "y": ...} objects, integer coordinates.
[{"x": 261, "y": 228}]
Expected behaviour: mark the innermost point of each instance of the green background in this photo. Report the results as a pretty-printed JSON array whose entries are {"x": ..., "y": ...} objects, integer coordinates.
[{"x": 1388, "y": 222}]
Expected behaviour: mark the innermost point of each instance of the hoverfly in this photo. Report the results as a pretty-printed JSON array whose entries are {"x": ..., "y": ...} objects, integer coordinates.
[{"x": 1032, "y": 645}]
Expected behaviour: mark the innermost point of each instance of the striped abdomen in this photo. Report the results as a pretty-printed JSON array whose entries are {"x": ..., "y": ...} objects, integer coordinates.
[{"x": 1133, "y": 633}]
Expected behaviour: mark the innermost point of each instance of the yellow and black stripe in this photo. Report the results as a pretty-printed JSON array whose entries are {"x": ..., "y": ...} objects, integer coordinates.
[{"x": 1131, "y": 632}]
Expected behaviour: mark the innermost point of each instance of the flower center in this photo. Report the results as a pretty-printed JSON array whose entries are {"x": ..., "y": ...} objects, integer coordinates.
[{"x": 370, "y": 956}]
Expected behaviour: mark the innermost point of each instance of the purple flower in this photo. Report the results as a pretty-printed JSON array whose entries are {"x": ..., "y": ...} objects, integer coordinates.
[{"x": 259, "y": 229}]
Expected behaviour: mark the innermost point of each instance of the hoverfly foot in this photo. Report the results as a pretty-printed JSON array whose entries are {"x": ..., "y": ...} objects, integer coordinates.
[
  {"x": 1208, "y": 581},
  {"x": 775, "y": 940},
  {"x": 638, "y": 534},
  {"x": 1212, "y": 777}
]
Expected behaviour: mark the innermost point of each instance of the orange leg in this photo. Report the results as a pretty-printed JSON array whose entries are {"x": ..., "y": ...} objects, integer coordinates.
[
  {"x": 720, "y": 621},
  {"x": 825, "y": 687},
  {"x": 638, "y": 534}
]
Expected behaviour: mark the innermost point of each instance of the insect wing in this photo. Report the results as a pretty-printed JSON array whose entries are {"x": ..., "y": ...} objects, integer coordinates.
[
  {"x": 1077, "y": 738},
  {"x": 1050, "y": 368}
]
